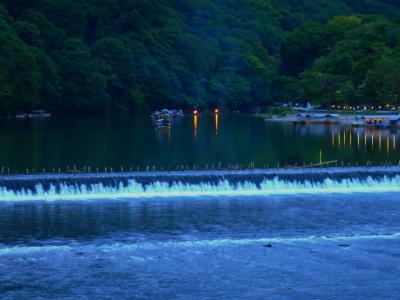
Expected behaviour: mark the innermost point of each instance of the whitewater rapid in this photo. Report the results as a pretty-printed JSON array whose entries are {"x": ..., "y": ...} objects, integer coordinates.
[{"x": 134, "y": 189}]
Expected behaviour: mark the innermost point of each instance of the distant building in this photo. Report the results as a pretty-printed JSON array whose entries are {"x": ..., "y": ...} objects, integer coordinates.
[{"x": 308, "y": 118}]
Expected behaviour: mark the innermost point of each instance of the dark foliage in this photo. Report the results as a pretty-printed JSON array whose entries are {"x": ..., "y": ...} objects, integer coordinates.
[{"x": 119, "y": 54}]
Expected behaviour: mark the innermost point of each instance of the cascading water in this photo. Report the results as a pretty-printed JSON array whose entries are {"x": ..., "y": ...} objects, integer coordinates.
[
  {"x": 338, "y": 245},
  {"x": 214, "y": 183}
]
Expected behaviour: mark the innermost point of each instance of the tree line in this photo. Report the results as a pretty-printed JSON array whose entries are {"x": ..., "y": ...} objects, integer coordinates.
[
  {"x": 70, "y": 55},
  {"x": 348, "y": 60}
]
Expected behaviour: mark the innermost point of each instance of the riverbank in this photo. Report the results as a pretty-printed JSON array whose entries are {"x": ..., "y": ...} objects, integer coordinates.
[{"x": 332, "y": 117}]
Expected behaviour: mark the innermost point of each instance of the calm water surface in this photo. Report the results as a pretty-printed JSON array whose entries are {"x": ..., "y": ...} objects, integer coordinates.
[{"x": 126, "y": 140}]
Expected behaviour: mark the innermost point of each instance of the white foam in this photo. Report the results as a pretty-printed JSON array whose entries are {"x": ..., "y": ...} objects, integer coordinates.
[
  {"x": 178, "y": 189},
  {"x": 115, "y": 247}
]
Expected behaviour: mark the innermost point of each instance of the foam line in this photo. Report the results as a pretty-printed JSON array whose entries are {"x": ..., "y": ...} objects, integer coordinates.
[
  {"x": 26, "y": 250},
  {"x": 156, "y": 189}
]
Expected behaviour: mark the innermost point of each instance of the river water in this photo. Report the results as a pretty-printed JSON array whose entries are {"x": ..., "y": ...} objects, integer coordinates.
[
  {"x": 259, "y": 234},
  {"x": 277, "y": 247},
  {"x": 130, "y": 141}
]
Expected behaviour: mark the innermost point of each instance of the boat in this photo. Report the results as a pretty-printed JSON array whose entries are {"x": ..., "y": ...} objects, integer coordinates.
[
  {"x": 21, "y": 116},
  {"x": 155, "y": 115},
  {"x": 163, "y": 123},
  {"x": 39, "y": 114}
]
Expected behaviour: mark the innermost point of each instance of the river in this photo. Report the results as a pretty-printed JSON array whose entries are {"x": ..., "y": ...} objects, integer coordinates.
[
  {"x": 323, "y": 233},
  {"x": 130, "y": 141}
]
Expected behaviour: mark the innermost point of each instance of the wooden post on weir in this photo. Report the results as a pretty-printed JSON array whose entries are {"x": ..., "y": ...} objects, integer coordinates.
[{"x": 235, "y": 166}]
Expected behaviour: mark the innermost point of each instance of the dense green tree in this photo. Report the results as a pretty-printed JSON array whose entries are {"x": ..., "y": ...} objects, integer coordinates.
[
  {"x": 85, "y": 79},
  {"x": 142, "y": 54},
  {"x": 19, "y": 71},
  {"x": 299, "y": 49},
  {"x": 383, "y": 80},
  {"x": 359, "y": 65}
]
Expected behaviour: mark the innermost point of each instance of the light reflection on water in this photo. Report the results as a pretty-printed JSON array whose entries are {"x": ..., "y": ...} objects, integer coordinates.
[
  {"x": 366, "y": 138},
  {"x": 130, "y": 141}
]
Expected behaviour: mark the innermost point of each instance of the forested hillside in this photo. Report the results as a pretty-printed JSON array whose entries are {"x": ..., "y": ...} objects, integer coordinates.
[
  {"x": 353, "y": 59},
  {"x": 117, "y": 54}
]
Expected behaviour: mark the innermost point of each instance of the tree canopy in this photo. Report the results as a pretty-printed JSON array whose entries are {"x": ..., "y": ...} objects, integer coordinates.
[
  {"x": 117, "y": 54},
  {"x": 354, "y": 60}
]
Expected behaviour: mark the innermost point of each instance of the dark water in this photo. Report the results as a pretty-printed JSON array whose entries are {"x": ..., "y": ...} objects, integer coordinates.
[
  {"x": 319, "y": 247},
  {"x": 275, "y": 234},
  {"x": 130, "y": 141}
]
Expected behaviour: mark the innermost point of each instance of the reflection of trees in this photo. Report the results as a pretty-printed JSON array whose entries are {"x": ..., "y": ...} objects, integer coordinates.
[{"x": 131, "y": 141}]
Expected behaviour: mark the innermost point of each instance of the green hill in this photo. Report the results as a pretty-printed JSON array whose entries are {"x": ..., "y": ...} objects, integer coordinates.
[{"x": 118, "y": 54}]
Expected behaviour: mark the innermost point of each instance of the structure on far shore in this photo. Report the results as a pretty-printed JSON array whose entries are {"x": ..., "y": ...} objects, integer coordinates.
[
  {"x": 317, "y": 118},
  {"x": 325, "y": 118},
  {"x": 382, "y": 121}
]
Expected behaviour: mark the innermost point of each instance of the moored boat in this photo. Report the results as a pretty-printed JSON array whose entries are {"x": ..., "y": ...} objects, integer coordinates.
[
  {"x": 163, "y": 123},
  {"x": 39, "y": 114},
  {"x": 21, "y": 116}
]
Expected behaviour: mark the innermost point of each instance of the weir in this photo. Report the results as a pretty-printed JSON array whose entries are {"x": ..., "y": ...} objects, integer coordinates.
[{"x": 198, "y": 183}]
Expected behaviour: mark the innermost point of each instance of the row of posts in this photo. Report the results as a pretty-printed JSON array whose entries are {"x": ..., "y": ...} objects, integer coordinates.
[{"x": 219, "y": 166}]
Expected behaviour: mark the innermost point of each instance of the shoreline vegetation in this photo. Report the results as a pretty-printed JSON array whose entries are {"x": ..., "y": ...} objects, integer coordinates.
[{"x": 86, "y": 56}]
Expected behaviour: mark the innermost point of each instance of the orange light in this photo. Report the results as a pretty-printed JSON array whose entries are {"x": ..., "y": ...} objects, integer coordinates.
[
  {"x": 195, "y": 125},
  {"x": 216, "y": 110},
  {"x": 216, "y": 123},
  {"x": 195, "y": 111}
]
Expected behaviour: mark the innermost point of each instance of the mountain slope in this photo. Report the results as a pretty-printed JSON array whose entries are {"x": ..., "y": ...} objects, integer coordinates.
[{"x": 102, "y": 54}]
